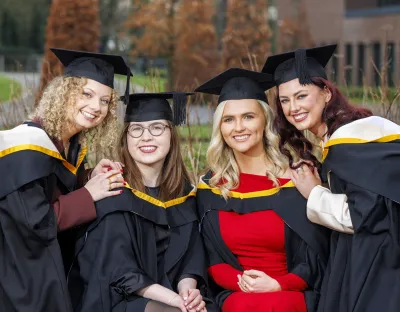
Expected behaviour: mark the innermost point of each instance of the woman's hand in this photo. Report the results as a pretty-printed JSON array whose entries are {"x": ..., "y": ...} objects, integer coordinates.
[
  {"x": 105, "y": 165},
  {"x": 102, "y": 185},
  {"x": 305, "y": 179},
  {"x": 254, "y": 281},
  {"x": 193, "y": 300},
  {"x": 178, "y": 302}
]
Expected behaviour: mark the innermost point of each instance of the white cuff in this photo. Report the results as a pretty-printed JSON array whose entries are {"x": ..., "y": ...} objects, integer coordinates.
[{"x": 329, "y": 210}]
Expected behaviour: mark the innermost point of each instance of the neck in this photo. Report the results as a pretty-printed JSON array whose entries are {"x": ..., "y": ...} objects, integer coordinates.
[
  {"x": 252, "y": 163},
  {"x": 151, "y": 174},
  {"x": 320, "y": 131},
  {"x": 68, "y": 134}
]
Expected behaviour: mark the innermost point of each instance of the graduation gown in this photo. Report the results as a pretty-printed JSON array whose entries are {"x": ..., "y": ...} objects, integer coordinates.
[
  {"x": 125, "y": 250},
  {"x": 306, "y": 244},
  {"x": 32, "y": 210},
  {"x": 361, "y": 160}
]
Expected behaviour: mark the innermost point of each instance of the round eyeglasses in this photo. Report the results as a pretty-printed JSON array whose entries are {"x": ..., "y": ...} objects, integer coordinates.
[{"x": 136, "y": 131}]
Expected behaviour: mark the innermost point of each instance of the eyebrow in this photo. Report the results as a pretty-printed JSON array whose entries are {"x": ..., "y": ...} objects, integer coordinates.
[
  {"x": 153, "y": 123},
  {"x": 295, "y": 94},
  {"x": 225, "y": 116}
]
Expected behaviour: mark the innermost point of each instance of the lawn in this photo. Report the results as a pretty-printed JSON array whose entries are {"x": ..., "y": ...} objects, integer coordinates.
[
  {"x": 148, "y": 82},
  {"x": 9, "y": 89}
]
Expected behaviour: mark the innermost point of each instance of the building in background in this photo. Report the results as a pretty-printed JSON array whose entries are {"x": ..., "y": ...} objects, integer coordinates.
[{"x": 367, "y": 32}]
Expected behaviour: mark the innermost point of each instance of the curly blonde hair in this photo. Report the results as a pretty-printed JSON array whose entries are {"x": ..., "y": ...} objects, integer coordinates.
[
  {"x": 221, "y": 159},
  {"x": 59, "y": 96}
]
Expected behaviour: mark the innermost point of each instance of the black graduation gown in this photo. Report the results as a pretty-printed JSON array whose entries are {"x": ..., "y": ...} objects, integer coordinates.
[
  {"x": 363, "y": 273},
  {"x": 117, "y": 255},
  {"x": 32, "y": 276},
  {"x": 306, "y": 243}
]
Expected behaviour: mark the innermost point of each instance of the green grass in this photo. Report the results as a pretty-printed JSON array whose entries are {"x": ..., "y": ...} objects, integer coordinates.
[
  {"x": 148, "y": 82},
  {"x": 197, "y": 132},
  {"x": 9, "y": 89}
]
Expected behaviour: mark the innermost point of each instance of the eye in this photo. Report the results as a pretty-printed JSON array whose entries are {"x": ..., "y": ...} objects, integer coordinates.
[
  {"x": 302, "y": 96},
  {"x": 87, "y": 95},
  {"x": 157, "y": 127},
  {"x": 105, "y": 102},
  {"x": 229, "y": 119},
  {"x": 248, "y": 117},
  {"x": 284, "y": 101}
]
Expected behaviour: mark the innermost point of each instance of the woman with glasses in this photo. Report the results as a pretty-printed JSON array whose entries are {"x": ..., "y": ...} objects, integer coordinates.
[{"x": 144, "y": 252}]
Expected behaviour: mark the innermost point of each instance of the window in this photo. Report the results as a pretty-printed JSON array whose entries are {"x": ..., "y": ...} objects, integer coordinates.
[
  {"x": 376, "y": 50},
  {"x": 382, "y": 3},
  {"x": 349, "y": 64},
  {"x": 361, "y": 64}
]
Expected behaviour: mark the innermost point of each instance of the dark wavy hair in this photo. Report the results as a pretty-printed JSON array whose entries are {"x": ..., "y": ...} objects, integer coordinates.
[{"x": 336, "y": 113}]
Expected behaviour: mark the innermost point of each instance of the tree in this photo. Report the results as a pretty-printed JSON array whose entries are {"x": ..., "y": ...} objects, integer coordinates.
[
  {"x": 246, "y": 37},
  {"x": 72, "y": 24},
  {"x": 181, "y": 32},
  {"x": 295, "y": 32},
  {"x": 197, "y": 55}
]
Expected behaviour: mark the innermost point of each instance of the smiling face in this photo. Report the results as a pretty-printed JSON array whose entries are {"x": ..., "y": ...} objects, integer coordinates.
[
  {"x": 91, "y": 107},
  {"x": 242, "y": 126},
  {"x": 149, "y": 149},
  {"x": 303, "y": 105}
]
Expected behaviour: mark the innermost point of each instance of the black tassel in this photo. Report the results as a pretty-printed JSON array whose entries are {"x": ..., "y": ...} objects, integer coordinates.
[
  {"x": 180, "y": 101},
  {"x": 126, "y": 96},
  {"x": 301, "y": 67}
]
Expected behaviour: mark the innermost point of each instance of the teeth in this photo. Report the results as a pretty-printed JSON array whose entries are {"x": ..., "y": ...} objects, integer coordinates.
[
  {"x": 241, "y": 137},
  {"x": 300, "y": 116},
  {"x": 88, "y": 115},
  {"x": 148, "y": 148}
]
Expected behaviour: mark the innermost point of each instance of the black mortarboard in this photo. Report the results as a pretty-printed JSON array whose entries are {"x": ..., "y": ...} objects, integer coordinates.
[
  {"x": 153, "y": 106},
  {"x": 238, "y": 84},
  {"x": 97, "y": 66},
  {"x": 302, "y": 64}
]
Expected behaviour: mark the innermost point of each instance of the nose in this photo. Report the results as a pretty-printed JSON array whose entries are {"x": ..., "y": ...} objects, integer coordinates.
[
  {"x": 294, "y": 108},
  {"x": 146, "y": 136},
  {"x": 95, "y": 104},
  {"x": 239, "y": 127}
]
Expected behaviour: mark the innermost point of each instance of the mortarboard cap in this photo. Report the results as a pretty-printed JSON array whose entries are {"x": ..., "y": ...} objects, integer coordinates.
[
  {"x": 96, "y": 66},
  {"x": 154, "y": 106},
  {"x": 238, "y": 84},
  {"x": 301, "y": 63}
]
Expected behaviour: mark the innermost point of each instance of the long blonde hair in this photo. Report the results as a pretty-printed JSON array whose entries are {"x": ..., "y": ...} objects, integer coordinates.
[
  {"x": 58, "y": 97},
  {"x": 221, "y": 159}
]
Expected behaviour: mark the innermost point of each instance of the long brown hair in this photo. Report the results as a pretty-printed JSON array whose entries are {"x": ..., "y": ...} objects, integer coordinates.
[
  {"x": 337, "y": 112},
  {"x": 174, "y": 176}
]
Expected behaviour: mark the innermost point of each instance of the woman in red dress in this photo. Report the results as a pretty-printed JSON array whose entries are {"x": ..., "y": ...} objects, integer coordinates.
[{"x": 264, "y": 254}]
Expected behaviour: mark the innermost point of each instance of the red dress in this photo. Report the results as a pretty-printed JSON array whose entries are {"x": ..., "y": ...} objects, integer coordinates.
[{"x": 257, "y": 240}]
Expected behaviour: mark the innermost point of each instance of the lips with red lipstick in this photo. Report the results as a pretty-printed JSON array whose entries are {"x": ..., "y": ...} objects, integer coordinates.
[
  {"x": 299, "y": 117},
  {"x": 148, "y": 149}
]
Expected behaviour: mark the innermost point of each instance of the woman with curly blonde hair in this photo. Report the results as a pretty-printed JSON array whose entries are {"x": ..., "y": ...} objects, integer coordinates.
[
  {"x": 264, "y": 254},
  {"x": 41, "y": 191}
]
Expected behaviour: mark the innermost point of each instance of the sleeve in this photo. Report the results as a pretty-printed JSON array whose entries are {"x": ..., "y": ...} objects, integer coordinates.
[
  {"x": 292, "y": 282},
  {"x": 225, "y": 276},
  {"x": 194, "y": 264},
  {"x": 74, "y": 209},
  {"x": 329, "y": 210},
  {"x": 110, "y": 264}
]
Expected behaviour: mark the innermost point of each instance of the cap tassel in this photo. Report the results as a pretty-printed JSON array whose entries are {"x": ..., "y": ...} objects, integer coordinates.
[
  {"x": 301, "y": 67},
  {"x": 180, "y": 101},
  {"x": 128, "y": 78}
]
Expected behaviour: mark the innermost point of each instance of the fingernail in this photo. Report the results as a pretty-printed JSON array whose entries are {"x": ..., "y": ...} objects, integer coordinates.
[
  {"x": 124, "y": 182},
  {"x": 120, "y": 191},
  {"x": 122, "y": 170},
  {"x": 109, "y": 169},
  {"x": 185, "y": 298},
  {"x": 190, "y": 307}
]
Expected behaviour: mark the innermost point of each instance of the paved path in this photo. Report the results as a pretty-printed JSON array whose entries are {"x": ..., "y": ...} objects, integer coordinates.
[{"x": 17, "y": 110}]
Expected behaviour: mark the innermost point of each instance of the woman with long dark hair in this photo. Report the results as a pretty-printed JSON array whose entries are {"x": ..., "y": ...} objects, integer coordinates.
[{"x": 360, "y": 160}]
